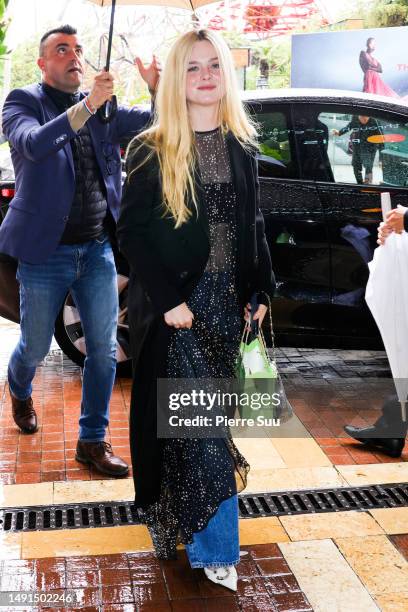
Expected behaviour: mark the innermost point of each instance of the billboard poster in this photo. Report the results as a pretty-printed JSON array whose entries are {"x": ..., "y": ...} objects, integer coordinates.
[{"x": 372, "y": 60}]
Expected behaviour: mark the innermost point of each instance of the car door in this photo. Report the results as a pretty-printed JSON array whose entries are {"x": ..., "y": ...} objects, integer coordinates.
[
  {"x": 367, "y": 154},
  {"x": 295, "y": 227}
]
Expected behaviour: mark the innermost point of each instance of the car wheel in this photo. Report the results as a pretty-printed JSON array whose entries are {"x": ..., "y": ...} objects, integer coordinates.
[{"x": 70, "y": 336}]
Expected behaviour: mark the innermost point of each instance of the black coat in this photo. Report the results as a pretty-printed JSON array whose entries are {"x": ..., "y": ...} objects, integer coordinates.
[{"x": 166, "y": 264}]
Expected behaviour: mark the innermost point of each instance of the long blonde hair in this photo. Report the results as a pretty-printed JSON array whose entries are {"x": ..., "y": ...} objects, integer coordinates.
[{"x": 171, "y": 136}]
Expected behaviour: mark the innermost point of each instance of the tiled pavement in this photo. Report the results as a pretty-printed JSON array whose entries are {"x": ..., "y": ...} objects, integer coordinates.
[
  {"x": 349, "y": 561},
  {"x": 48, "y": 456},
  {"x": 401, "y": 542},
  {"x": 311, "y": 377},
  {"x": 138, "y": 581}
]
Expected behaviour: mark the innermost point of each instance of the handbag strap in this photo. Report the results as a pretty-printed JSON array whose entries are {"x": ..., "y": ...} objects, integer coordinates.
[
  {"x": 247, "y": 329},
  {"x": 245, "y": 333},
  {"x": 270, "y": 328}
]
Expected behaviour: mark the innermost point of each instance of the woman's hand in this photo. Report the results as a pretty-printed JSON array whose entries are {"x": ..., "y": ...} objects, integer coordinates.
[
  {"x": 383, "y": 232},
  {"x": 259, "y": 314},
  {"x": 179, "y": 317},
  {"x": 395, "y": 219},
  {"x": 394, "y": 223}
]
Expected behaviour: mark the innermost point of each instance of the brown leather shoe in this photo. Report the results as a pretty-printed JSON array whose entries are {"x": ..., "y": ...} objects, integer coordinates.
[
  {"x": 100, "y": 455},
  {"x": 24, "y": 414}
]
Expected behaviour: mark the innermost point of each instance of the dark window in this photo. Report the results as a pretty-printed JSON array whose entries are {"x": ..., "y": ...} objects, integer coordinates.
[
  {"x": 312, "y": 139},
  {"x": 275, "y": 158}
]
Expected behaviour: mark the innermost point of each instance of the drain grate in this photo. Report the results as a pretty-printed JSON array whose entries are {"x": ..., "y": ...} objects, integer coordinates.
[
  {"x": 108, "y": 514},
  {"x": 324, "y": 500},
  {"x": 72, "y": 516}
]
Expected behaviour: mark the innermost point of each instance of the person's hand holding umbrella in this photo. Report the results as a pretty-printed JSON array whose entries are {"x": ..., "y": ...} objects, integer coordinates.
[{"x": 101, "y": 90}]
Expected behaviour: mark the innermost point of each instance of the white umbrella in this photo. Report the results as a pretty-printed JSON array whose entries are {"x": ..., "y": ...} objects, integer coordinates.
[
  {"x": 184, "y": 4},
  {"x": 387, "y": 298},
  {"x": 189, "y": 5}
]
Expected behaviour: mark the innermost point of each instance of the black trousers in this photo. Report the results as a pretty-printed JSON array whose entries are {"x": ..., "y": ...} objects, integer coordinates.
[
  {"x": 391, "y": 419},
  {"x": 363, "y": 157}
]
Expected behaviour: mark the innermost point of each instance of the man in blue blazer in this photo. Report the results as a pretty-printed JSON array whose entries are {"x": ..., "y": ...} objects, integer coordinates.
[{"x": 68, "y": 188}]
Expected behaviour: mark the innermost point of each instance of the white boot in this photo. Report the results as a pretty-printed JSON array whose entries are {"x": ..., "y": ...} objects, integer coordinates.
[{"x": 225, "y": 576}]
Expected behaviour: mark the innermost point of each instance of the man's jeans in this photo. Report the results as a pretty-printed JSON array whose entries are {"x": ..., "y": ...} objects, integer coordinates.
[
  {"x": 88, "y": 271},
  {"x": 217, "y": 544}
]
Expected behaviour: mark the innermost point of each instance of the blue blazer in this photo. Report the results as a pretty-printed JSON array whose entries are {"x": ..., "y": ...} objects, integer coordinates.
[{"x": 40, "y": 148}]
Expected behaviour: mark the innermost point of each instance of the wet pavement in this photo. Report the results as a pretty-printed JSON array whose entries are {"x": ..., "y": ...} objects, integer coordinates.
[
  {"x": 138, "y": 581},
  {"x": 347, "y": 561}
]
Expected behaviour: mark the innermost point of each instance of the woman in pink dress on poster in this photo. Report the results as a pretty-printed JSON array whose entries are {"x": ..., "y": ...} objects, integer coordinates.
[{"x": 372, "y": 68}]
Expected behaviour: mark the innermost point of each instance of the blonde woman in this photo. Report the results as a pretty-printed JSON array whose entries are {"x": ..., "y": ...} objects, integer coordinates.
[{"x": 191, "y": 229}]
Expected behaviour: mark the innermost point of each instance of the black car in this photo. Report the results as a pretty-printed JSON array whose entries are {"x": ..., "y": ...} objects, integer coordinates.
[
  {"x": 325, "y": 158},
  {"x": 321, "y": 223}
]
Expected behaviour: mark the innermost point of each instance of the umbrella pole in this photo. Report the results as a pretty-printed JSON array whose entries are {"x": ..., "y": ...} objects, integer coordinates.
[
  {"x": 108, "y": 110},
  {"x": 195, "y": 22},
  {"x": 109, "y": 50}
]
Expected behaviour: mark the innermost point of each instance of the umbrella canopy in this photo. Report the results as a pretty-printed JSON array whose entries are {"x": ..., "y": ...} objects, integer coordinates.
[
  {"x": 387, "y": 298},
  {"x": 107, "y": 111},
  {"x": 189, "y": 5}
]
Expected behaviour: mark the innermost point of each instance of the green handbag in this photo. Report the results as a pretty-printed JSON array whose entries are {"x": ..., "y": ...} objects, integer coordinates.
[
  {"x": 258, "y": 373},
  {"x": 254, "y": 362}
]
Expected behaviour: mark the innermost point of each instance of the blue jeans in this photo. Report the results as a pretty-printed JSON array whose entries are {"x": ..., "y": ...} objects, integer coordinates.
[
  {"x": 218, "y": 543},
  {"x": 88, "y": 271}
]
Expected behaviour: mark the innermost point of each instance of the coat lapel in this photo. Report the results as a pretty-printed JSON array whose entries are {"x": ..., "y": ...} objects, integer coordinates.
[
  {"x": 51, "y": 112},
  {"x": 97, "y": 132}
]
